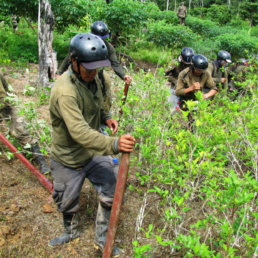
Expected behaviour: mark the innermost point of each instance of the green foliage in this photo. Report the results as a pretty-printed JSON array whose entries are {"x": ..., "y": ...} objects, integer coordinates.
[
  {"x": 124, "y": 16},
  {"x": 219, "y": 13},
  {"x": 238, "y": 44},
  {"x": 249, "y": 11},
  {"x": 21, "y": 46},
  {"x": 156, "y": 56},
  {"x": 203, "y": 182},
  {"x": 163, "y": 34}
]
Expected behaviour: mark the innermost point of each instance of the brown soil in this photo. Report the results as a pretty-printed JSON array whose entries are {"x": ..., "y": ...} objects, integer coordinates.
[{"x": 28, "y": 215}]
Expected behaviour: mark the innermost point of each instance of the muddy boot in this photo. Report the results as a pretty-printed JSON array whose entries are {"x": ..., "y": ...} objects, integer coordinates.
[
  {"x": 44, "y": 168},
  {"x": 102, "y": 221},
  {"x": 71, "y": 226}
]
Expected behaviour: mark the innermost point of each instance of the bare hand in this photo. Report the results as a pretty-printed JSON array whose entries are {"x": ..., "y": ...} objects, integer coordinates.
[
  {"x": 128, "y": 79},
  {"x": 196, "y": 86},
  {"x": 223, "y": 80},
  {"x": 126, "y": 143},
  {"x": 112, "y": 125}
]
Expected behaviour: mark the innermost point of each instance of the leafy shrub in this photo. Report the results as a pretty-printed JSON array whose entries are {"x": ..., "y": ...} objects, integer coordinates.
[
  {"x": 237, "y": 44},
  {"x": 168, "y": 16},
  {"x": 219, "y": 13},
  {"x": 163, "y": 34},
  {"x": 20, "y": 46},
  {"x": 124, "y": 16}
]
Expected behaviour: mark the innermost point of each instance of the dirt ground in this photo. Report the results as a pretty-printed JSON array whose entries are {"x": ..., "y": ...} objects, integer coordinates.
[{"x": 28, "y": 215}]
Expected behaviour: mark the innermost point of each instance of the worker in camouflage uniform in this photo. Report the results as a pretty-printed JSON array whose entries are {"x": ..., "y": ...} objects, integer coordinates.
[
  {"x": 181, "y": 13},
  {"x": 218, "y": 70},
  {"x": 79, "y": 150},
  {"x": 100, "y": 29},
  {"x": 183, "y": 61},
  {"x": 17, "y": 126}
]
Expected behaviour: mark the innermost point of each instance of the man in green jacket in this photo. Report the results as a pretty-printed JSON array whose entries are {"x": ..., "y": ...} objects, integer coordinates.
[
  {"x": 79, "y": 150},
  {"x": 17, "y": 126},
  {"x": 218, "y": 71}
]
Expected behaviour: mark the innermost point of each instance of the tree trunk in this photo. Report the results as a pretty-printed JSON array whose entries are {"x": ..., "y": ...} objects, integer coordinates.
[
  {"x": 229, "y": 3},
  {"x": 190, "y": 2},
  {"x": 47, "y": 57},
  {"x": 167, "y": 5},
  {"x": 175, "y": 6}
]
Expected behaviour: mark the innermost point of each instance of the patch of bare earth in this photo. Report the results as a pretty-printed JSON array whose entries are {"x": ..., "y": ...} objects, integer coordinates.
[{"x": 28, "y": 215}]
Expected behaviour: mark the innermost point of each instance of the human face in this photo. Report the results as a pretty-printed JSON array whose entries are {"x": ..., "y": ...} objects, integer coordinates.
[
  {"x": 87, "y": 75},
  {"x": 198, "y": 72}
]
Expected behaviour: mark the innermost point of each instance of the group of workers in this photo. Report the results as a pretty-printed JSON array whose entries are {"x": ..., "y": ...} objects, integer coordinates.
[
  {"x": 193, "y": 72},
  {"x": 80, "y": 104}
]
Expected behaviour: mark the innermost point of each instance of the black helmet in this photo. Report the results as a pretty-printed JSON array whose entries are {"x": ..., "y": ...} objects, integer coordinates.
[
  {"x": 200, "y": 62},
  {"x": 224, "y": 55},
  {"x": 186, "y": 55},
  {"x": 89, "y": 50},
  {"x": 99, "y": 28}
]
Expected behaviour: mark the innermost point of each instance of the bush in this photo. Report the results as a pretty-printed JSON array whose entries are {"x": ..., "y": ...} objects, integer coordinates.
[
  {"x": 163, "y": 34},
  {"x": 237, "y": 44},
  {"x": 219, "y": 13},
  {"x": 20, "y": 46}
]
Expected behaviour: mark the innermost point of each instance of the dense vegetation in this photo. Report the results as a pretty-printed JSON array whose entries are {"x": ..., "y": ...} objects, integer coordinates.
[{"x": 197, "y": 190}]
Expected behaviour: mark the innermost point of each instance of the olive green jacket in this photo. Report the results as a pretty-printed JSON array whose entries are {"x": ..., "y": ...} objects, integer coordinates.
[
  {"x": 218, "y": 73},
  {"x": 186, "y": 79},
  {"x": 76, "y": 111}
]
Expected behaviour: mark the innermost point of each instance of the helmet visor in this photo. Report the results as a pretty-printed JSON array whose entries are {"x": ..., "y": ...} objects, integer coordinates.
[
  {"x": 105, "y": 36},
  {"x": 96, "y": 64}
]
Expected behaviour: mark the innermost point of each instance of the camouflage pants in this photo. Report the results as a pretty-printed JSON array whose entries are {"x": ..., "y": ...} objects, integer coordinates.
[{"x": 17, "y": 126}]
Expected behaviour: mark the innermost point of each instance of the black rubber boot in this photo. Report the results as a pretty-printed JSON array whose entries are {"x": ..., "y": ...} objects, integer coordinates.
[
  {"x": 71, "y": 226},
  {"x": 44, "y": 168},
  {"x": 102, "y": 221}
]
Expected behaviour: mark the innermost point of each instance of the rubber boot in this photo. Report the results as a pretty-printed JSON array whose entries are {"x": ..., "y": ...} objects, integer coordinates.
[
  {"x": 102, "y": 221},
  {"x": 71, "y": 226},
  {"x": 44, "y": 168}
]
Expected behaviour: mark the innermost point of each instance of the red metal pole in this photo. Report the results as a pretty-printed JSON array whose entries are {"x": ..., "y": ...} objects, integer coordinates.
[
  {"x": 43, "y": 180},
  {"x": 117, "y": 203}
]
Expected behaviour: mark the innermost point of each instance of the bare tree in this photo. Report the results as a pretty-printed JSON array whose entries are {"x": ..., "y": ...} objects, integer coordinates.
[
  {"x": 167, "y": 5},
  {"x": 47, "y": 57}
]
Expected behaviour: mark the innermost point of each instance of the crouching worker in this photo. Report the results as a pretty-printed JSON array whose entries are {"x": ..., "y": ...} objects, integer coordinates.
[
  {"x": 17, "y": 126},
  {"x": 193, "y": 79},
  {"x": 79, "y": 150}
]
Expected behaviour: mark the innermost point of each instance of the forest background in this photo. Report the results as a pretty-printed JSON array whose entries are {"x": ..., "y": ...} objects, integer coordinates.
[{"x": 196, "y": 191}]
